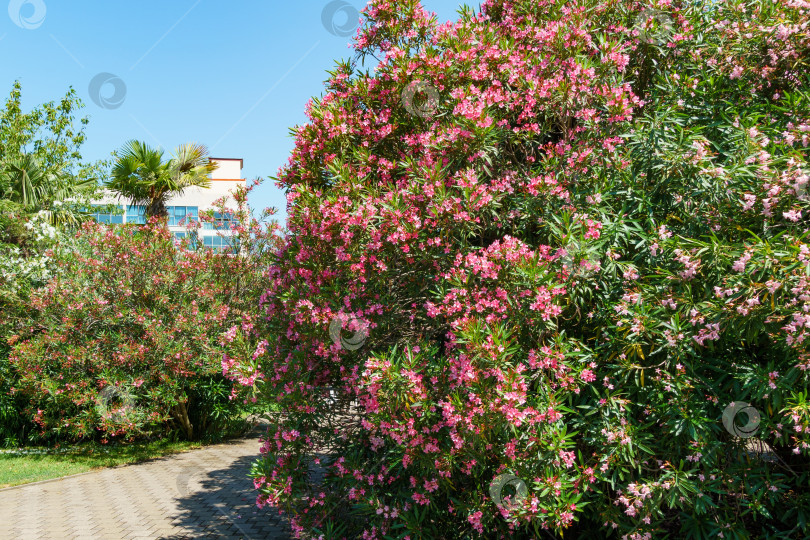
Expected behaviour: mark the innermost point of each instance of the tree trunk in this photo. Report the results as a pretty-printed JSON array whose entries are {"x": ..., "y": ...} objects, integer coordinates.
[
  {"x": 181, "y": 413},
  {"x": 157, "y": 207}
]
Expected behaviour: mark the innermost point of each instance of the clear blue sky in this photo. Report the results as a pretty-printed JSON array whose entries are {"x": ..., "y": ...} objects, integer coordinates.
[{"x": 232, "y": 75}]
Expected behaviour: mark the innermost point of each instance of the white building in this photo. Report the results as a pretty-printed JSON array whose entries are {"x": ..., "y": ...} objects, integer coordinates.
[{"x": 188, "y": 205}]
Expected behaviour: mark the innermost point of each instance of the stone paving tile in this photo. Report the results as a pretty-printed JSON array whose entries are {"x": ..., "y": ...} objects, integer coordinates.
[{"x": 199, "y": 494}]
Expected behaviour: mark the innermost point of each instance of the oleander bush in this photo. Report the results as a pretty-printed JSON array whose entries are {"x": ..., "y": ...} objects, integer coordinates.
[
  {"x": 43, "y": 185},
  {"x": 564, "y": 241},
  {"x": 127, "y": 338},
  {"x": 25, "y": 241}
]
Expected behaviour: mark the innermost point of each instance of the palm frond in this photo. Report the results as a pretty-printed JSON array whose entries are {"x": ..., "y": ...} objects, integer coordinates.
[
  {"x": 191, "y": 166},
  {"x": 141, "y": 175},
  {"x": 30, "y": 184}
]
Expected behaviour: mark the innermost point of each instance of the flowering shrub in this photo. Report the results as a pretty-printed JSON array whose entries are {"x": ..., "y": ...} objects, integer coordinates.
[
  {"x": 127, "y": 338},
  {"x": 27, "y": 263},
  {"x": 562, "y": 241},
  {"x": 25, "y": 244}
]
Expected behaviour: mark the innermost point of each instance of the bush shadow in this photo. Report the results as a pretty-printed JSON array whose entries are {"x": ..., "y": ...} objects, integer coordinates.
[{"x": 221, "y": 503}]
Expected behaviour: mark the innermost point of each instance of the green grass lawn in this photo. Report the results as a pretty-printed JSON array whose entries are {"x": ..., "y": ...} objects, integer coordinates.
[{"x": 33, "y": 464}]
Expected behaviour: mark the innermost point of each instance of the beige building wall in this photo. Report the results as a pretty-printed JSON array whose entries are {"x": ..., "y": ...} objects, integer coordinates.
[{"x": 228, "y": 169}]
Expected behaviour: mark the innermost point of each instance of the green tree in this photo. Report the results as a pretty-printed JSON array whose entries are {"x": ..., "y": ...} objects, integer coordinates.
[
  {"x": 41, "y": 166},
  {"x": 141, "y": 175},
  {"x": 48, "y": 132}
]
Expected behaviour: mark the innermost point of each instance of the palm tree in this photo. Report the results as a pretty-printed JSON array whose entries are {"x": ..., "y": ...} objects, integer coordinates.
[
  {"x": 26, "y": 182},
  {"x": 141, "y": 175}
]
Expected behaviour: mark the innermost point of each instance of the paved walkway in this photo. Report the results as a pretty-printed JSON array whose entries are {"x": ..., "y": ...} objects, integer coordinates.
[{"x": 198, "y": 494}]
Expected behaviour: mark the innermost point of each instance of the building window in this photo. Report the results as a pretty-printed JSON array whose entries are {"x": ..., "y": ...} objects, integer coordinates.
[
  {"x": 191, "y": 236},
  {"x": 179, "y": 213},
  {"x": 103, "y": 217},
  {"x": 222, "y": 222},
  {"x": 136, "y": 214},
  {"x": 212, "y": 242},
  {"x": 221, "y": 243}
]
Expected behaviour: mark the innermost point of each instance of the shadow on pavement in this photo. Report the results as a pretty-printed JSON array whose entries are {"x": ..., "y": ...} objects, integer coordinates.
[{"x": 220, "y": 502}]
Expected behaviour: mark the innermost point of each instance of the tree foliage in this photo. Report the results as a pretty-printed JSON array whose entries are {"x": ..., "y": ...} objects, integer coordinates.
[
  {"x": 48, "y": 132},
  {"x": 41, "y": 166}
]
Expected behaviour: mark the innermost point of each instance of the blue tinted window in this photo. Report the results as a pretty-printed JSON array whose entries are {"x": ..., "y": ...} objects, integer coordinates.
[
  {"x": 103, "y": 217},
  {"x": 136, "y": 214},
  {"x": 176, "y": 213},
  {"x": 193, "y": 239},
  {"x": 222, "y": 222},
  {"x": 179, "y": 213},
  {"x": 220, "y": 243}
]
